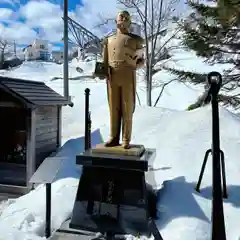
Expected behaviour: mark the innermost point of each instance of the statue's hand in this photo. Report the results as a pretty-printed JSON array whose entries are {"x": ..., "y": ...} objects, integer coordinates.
[{"x": 140, "y": 62}]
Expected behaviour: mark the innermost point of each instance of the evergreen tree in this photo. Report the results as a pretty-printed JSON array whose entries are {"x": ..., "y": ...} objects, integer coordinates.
[{"x": 212, "y": 30}]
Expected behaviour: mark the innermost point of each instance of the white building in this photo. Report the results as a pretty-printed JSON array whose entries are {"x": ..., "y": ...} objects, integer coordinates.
[
  {"x": 30, "y": 53},
  {"x": 38, "y": 50},
  {"x": 57, "y": 56}
]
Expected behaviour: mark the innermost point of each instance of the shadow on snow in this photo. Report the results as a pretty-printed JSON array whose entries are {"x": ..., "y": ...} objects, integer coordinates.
[
  {"x": 175, "y": 200},
  {"x": 70, "y": 149}
]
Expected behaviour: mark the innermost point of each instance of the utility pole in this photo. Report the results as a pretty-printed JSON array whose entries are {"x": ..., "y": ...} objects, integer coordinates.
[
  {"x": 14, "y": 48},
  {"x": 65, "y": 55}
]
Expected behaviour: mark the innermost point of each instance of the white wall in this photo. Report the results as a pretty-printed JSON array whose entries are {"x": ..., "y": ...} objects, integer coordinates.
[
  {"x": 39, "y": 49},
  {"x": 57, "y": 56},
  {"x": 40, "y": 45},
  {"x": 31, "y": 53}
]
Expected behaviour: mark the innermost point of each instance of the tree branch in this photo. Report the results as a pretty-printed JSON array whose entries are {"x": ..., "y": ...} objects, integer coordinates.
[{"x": 161, "y": 92}]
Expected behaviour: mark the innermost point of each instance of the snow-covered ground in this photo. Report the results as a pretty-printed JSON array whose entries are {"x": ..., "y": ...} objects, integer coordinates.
[{"x": 180, "y": 137}]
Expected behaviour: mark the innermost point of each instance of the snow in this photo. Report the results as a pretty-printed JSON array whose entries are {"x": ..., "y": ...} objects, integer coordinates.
[
  {"x": 180, "y": 137},
  {"x": 46, "y": 71}
]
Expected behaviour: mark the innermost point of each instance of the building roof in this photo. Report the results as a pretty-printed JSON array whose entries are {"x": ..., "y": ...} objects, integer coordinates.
[
  {"x": 26, "y": 47},
  {"x": 32, "y": 93}
]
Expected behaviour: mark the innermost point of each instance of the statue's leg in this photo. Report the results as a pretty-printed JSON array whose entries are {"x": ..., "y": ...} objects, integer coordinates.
[
  {"x": 115, "y": 112},
  {"x": 128, "y": 105}
]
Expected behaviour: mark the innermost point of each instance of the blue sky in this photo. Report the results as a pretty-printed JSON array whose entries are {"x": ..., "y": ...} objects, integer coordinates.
[
  {"x": 11, "y": 13},
  {"x": 6, "y": 4},
  {"x": 23, "y": 21}
]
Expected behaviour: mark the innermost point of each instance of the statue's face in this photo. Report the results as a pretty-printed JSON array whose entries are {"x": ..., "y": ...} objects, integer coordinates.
[{"x": 123, "y": 21}]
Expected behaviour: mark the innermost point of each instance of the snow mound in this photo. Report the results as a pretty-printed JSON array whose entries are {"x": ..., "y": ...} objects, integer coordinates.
[
  {"x": 49, "y": 71},
  {"x": 181, "y": 139},
  {"x": 176, "y": 95}
]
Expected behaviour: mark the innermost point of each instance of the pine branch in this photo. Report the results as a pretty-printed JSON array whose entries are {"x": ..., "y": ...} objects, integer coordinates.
[
  {"x": 186, "y": 76},
  {"x": 227, "y": 101},
  {"x": 209, "y": 39},
  {"x": 225, "y": 13},
  {"x": 213, "y": 33},
  {"x": 202, "y": 10},
  {"x": 207, "y": 42}
]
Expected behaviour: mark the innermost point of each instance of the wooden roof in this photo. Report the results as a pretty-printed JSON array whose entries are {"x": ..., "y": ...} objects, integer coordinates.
[{"x": 32, "y": 92}]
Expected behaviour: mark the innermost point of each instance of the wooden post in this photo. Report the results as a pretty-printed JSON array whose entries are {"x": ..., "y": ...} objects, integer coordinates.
[
  {"x": 59, "y": 130},
  {"x": 31, "y": 156}
]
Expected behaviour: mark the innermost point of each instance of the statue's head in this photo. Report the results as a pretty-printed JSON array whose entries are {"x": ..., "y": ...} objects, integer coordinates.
[{"x": 123, "y": 20}]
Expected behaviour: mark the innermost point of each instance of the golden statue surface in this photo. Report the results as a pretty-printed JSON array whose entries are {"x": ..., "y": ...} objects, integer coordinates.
[{"x": 120, "y": 61}]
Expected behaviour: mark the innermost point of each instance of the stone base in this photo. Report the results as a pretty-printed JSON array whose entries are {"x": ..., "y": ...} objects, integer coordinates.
[
  {"x": 112, "y": 160},
  {"x": 112, "y": 195},
  {"x": 134, "y": 150},
  {"x": 111, "y": 200}
]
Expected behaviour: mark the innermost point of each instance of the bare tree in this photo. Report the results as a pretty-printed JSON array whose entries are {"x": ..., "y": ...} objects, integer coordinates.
[
  {"x": 154, "y": 17},
  {"x": 3, "y": 45}
]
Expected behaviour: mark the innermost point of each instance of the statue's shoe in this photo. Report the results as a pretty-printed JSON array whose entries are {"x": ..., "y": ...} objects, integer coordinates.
[
  {"x": 111, "y": 143},
  {"x": 126, "y": 145}
]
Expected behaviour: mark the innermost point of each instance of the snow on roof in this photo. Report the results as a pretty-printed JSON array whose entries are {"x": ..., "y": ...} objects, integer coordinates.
[{"x": 32, "y": 92}]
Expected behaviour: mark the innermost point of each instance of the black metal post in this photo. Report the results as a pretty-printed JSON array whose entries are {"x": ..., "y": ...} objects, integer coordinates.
[
  {"x": 202, "y": 169},
  {"x": 89, "y": 130},
  {"x": 48, "y": 210},
  {"x": 153, "y": 228},
  {"x": 86, "y": 143},
  {"x": 218, "y": 224},
  {"x": 225, "y": 195}
]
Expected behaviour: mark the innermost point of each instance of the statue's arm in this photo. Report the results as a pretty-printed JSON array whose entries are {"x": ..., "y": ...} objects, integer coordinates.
[
  {"x": 105, "y": 53},
  {"x": 101, "y": 69}
]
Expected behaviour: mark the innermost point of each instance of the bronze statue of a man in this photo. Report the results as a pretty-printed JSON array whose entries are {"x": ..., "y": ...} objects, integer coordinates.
[{"x": 121, "y": 58}]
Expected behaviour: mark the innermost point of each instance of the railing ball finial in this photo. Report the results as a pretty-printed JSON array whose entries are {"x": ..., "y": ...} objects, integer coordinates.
[
  {"x": 87, "y": 90},
  {"x": 214, "y": 77}
]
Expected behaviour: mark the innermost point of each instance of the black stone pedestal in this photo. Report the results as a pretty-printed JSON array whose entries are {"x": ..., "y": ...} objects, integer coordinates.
[{"x": 112, "y": 195}]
